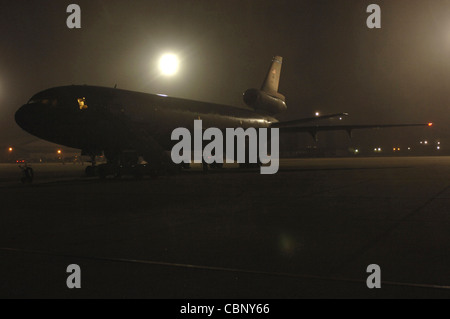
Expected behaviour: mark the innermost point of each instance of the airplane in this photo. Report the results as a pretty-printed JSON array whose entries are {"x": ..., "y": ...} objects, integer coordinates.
[{"x": 125, "y": 125}]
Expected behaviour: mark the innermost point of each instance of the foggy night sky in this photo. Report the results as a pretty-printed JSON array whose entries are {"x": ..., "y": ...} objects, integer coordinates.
[{"x": 332, "y": 61}]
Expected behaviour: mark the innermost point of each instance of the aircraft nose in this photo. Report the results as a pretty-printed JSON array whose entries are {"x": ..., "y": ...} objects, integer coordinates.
[
  {"x": 30, "y": 117},
  {"x": 24, "y": 116}
]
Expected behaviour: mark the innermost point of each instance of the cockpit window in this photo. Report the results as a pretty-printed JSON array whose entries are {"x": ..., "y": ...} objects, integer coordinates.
[
  {"x": 38, "y": 100},
  {"x": 82, "y": 103}
]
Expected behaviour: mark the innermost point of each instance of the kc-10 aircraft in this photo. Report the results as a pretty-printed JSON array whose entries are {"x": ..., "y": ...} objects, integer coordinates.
[{"x": 114, "y": 122}]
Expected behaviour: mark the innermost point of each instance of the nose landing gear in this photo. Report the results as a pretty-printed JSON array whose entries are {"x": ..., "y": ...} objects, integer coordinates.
[{"x": 92, "y": 170}]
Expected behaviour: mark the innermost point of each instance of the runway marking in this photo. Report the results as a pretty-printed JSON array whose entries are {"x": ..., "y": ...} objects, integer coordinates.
[
  {"x": 380, "y": 237},
  {"x": 223, "y": 269}
]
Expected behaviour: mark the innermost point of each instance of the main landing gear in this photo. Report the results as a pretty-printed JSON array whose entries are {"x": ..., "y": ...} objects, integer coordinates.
[
  {"x": 129, "y": 163},
  {"x": 126, "y": 163}
]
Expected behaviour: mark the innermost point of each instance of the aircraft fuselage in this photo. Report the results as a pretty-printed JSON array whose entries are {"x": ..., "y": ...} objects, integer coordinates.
[{"x": 97, "y": 118}]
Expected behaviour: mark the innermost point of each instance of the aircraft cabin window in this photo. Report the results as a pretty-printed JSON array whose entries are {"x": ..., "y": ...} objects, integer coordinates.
[{"x": 82, "y": 103}]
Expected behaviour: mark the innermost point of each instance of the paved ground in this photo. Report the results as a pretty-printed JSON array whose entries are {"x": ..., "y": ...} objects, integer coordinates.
[{"x": 309, "y": 231}]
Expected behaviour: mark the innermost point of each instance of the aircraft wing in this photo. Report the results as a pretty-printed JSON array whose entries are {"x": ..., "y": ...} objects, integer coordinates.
[
  {"x": 313, "y": 130},
  {"x": 309, "y": 119}
]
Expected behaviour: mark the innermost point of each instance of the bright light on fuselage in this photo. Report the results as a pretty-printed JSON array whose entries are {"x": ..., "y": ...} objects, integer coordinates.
[{"x": 168, "y": 64}]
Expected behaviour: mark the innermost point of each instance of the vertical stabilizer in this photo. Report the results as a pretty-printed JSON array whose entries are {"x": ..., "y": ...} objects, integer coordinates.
[
  {"x": 272, "y": 80},
  {"x": 268, "y": 100}
]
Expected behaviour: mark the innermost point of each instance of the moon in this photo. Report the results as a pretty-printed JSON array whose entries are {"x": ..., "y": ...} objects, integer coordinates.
[{"x": 168, "y": 64}]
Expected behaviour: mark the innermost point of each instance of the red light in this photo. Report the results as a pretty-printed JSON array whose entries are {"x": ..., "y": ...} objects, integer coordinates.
[{"x": 430, "y": 124}]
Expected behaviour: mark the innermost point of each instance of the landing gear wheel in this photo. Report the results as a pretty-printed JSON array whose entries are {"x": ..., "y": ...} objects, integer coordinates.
[
  {"x": 186, "y": 165},
  {"x": 90, "y": 171},
  {"x": 103, "y": 171},
  {"x": 216, "y": 165},
  {"x": 250, "y": 165},
  {"x": 205, "y": 167}
]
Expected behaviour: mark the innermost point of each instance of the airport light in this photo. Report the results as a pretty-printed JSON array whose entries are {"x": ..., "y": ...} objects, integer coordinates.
[
  {"x": 317, "y": 114},
  {"x": 10, "y": 149},
  {"x": 168, "y": 64}
]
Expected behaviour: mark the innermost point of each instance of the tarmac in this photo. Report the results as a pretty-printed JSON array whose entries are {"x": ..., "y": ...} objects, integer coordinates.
[{"x": 309, "y": 231}]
